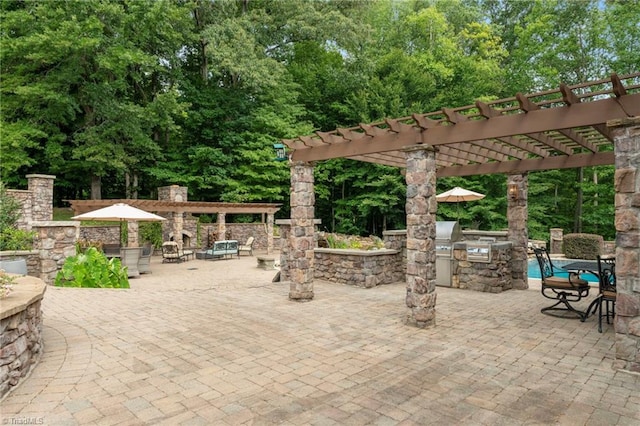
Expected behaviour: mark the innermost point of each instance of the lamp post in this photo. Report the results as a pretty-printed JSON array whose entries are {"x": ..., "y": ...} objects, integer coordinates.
[{"x": 281, "y": 152}]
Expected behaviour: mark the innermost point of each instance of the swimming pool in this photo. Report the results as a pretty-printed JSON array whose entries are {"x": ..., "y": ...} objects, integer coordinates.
[{"x": 533, "y": 270}]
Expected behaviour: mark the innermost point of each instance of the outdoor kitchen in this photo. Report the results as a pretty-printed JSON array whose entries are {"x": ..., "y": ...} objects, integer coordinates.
[{"x": 467, "y": 259}]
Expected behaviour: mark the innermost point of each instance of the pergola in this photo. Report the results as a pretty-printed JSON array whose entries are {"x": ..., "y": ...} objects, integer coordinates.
[
  {"x": 174, "y": 210},
  {"x": 589, "y": 124},
  {"x": 159, "y": 206},
  {"x": 555, "y": 129}
]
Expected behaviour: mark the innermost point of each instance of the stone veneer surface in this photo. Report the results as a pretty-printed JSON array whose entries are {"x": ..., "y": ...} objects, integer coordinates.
[
  {"x": 20, "y": 331},
  {"x": 360, "y": 268}
]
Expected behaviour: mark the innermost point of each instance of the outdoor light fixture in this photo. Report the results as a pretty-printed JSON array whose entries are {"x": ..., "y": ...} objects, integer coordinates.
[
  {"x": 281, "y": 152},
  {"x": 513, "y": 191}
]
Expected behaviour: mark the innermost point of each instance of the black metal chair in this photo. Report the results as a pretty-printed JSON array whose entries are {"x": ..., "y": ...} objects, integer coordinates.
[
  {"x": 607, "y": 287},
  {"x": 564, "y": 290}
]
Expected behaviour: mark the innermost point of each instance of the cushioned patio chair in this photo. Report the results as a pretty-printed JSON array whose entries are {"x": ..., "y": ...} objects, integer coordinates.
[
  {"x": 563, "y": 290},
  {"x": 246, "y": 247},
  {"x": 607, "y": 287},
  {"x": 170, "y": 252}
]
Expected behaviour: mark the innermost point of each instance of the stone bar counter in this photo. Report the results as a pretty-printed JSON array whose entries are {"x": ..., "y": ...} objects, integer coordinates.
[{"x": 490, "y": 273}]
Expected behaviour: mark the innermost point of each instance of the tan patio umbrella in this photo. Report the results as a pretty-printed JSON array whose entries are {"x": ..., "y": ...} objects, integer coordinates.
[
  {"x": 119, "y": 212},
  {"x": 458, "y": 195}
]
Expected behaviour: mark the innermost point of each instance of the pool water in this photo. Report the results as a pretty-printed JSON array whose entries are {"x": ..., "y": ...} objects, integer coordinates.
[{"x": 533, "y": 270}]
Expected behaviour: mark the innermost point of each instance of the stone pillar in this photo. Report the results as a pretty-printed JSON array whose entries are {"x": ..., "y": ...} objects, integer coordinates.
[
  {"x": 132, "y": 234},
  {"x": 177, "y": 226},
  {"x": 421, "y": 233},
  {"x": 269, "y": 233},
  {"x": 626, "y": 137},
  {"x": 517, "y": 216},
  {"x": 301, "y": 238},
  {"x": 41, "y": 187},
  {"x": 222, "y": 227},
  {"x": 556, "y": 238},
  {"x": 284, "y": 225},
  {"x": 56, "y": 242}
]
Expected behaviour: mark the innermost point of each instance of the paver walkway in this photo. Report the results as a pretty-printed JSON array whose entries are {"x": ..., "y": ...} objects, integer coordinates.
[{"x": 217, "y": 343}]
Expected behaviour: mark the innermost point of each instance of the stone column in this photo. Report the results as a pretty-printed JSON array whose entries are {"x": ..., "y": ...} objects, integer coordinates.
[
  {"x": 222, "y": 227},
  {"x": 301, "y": 238},
  {"x": 132, "y": 234},
  {"x": 284, "y": 226},
  {"x": 626, "y": 137},
  {"x": 421, "y": 233},
  {"x": 269, "y": 233},
  {"x": 517, "y": 216},
  {"x": 56, "y": 242},
  {"x": 42, "y": 188},
  {"x": 555, "y": 240},
  {"x": 177, "y": 226}
]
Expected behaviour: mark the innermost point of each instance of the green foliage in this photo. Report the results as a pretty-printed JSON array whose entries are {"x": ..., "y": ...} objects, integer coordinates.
[
  {"x": 12, "y": 238},
  {"x": 92, "y": 269},
  {"x": 582, "y": 246},
  {"x": 151, "y": 232},
  {"x": 194, "y": 93}
]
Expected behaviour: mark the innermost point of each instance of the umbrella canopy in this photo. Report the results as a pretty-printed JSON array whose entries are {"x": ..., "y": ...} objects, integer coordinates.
[
  {"x": 119, "y": 212},
  {"x": 457, "y": 195}
]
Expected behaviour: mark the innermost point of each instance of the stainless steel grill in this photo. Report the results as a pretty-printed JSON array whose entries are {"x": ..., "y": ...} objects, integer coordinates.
[
  {"x": 480, "y": 251},
  {"x": 447, "y": 232}
]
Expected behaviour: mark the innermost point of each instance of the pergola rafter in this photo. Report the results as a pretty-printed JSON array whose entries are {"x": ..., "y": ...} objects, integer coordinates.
[{"x": 558, "y": 128}]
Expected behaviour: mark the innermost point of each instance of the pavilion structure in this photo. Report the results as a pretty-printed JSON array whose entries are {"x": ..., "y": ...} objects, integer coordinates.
[
  {"x": 172, "y": 203},
  {"x": 588, "y": 124}
]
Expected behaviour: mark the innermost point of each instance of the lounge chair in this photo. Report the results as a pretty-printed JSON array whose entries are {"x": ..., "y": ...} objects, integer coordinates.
[
  {"x": 246, "y": 247},
  {"x": 563, "y": 290}
]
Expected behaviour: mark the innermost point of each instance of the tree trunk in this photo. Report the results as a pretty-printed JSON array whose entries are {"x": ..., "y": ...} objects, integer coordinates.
[{"x": 96, "y": 188}]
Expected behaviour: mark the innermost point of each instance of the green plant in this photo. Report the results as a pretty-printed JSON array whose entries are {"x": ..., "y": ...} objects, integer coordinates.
[
  {"x": 6, "y": 283},
  {"x": 12, "y": 238},
  {"x": 582, "y": 246},
  {"x": 151, "y": 232},
  {"x": 92, "y": 269}
]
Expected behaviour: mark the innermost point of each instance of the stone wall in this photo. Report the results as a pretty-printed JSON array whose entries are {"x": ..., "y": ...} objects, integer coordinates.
[
  {"x": 360, "y": 268},
  {"x": 107, "y": 234},
  {"x": 491, "y": 277},
  {"x": 56, "y": 241},
  {"x": 25, "y": 198},
  {"x": 238, "y": 231},
  {"x": 20, "y": 331}
]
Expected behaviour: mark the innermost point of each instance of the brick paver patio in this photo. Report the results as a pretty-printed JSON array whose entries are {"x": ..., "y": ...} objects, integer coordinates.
[{"x": 216, "y": 343}]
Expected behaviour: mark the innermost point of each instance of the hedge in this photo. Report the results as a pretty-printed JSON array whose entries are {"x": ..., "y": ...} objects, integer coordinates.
[{"x": 583, "y": 246}]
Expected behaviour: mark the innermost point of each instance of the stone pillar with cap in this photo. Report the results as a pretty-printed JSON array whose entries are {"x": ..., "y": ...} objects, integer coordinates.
[{"x": 421, "y": 209}]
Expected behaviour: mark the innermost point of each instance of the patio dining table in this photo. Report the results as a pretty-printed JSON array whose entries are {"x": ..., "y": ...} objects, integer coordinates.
[{"x": 591, "y": 267}]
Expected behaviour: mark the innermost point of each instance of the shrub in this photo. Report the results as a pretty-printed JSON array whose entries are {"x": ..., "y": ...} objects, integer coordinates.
[
  {"x": 583, "y": 246},
  {"x": 151, "y": 232},
  {"x": 92, "y": 269},
  {"x": 12, "y": 238}
]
